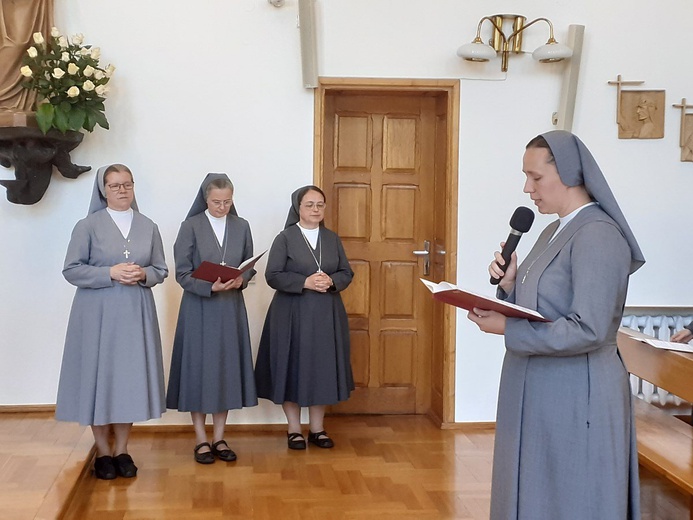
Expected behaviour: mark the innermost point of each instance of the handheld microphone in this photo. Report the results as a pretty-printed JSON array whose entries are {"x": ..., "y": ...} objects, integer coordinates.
[{"x": 520, "y": 223}]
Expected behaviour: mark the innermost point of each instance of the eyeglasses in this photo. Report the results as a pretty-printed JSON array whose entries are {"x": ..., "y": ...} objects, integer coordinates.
[
  {"x": 317, "y": 205},
  {"x": 115, "y": 187},
  {"x": 221, "y": 203}
]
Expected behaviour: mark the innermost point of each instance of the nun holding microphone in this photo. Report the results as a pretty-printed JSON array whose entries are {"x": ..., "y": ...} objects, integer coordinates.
[{"x": 565, "y": 442}]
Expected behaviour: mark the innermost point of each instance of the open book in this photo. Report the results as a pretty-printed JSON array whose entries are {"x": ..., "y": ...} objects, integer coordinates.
[
  {"x": 210, "y": 271},
  {"x": 449, "y": 293},
  {"x": 657, "y": 343}
]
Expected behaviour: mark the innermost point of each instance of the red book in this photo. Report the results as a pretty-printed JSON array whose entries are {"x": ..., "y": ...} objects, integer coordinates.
[
  {"x": 210, "y": 271},
  {"x": 453, "y": 295}
]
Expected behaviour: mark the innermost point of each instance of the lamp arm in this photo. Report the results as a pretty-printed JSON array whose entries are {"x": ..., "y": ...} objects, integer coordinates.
[
  {"x": 495, "y": 25},
  {"x": 526, "y": 26}
]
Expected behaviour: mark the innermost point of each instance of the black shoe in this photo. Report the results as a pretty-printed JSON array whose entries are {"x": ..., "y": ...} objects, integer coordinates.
[
  {"x": 104, "y": 468},
  {"x": 296, "y": 441},
  {"x": 225, "y": 454},
  {"x": 320, "y": 439},
  {"x": 124, "y": 466},
  {"x": 203, "y": 458}
]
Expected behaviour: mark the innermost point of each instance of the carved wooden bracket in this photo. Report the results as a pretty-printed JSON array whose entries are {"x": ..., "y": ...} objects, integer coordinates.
[{"x": 33, "y": 155}]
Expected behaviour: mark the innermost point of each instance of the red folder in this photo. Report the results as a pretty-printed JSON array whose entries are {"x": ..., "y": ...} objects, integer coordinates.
[
  {"x": 210, "y": 271},
  {"x": 453, "y": 295}
]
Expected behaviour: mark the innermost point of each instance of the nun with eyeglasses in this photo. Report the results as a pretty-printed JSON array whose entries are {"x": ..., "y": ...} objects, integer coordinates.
[
  {"x": 304, "y": 354},
  {"x": 112, "y": 373}
]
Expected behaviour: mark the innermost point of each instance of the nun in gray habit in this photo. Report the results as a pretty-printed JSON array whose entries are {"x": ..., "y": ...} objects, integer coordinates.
[
  {"x": 304, "y": 355},
  {"x": 565, "y": 441},
  {"x": 211, "y": 364},
  {"x": 112, "y": 371}
]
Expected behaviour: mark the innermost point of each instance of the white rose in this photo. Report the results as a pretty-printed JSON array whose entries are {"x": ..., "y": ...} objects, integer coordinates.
[
  {"x": 38, "y": 38},
  {"x": 58, "y": 73},
  {"x": 62, "y": 42},
  {"x": 32, "y": 52},
  {"x": 65, "y": 57},
  {"x": 88, "y": 86},
  {"x": 84, "y": 51},
  {"x": 26, "y": 71},
  {"x": 96, "y": 53},
  {"x": 98, "y": 74},
  {"x": 55, "y": 33},
  {"x": 88, "y": 71},
  {"x": 73, "y": 92},
  {"x": 110, "y": 70},
  {"x": 72, "y": 69},
  {"x": 78, "y": 39},
  {"x": 101, "y": 90}
]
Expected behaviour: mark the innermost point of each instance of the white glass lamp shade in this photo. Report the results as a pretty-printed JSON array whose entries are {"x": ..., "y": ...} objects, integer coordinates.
[
  {"x": 476, "y": 51},
  {"x": 550, "y": 52}
]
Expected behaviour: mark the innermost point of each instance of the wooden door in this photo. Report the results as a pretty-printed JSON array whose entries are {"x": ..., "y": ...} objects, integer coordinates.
[{"x": 379, "y": 174}]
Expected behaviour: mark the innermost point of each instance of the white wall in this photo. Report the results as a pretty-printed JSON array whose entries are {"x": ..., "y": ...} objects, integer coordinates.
[{"x": 216, "y": 86}]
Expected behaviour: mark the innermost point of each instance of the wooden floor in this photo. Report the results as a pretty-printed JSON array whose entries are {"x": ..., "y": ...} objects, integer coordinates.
[
  {"x": 41, "y": 460},
  {"x": 382, "y": 467}
]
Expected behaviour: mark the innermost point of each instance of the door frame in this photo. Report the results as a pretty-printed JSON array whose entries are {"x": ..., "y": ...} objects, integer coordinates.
[{"x": 451, "y": 89}]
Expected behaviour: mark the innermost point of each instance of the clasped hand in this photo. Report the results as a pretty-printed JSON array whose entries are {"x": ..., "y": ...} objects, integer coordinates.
[
  {"x": 233, "y": 283},
  {"x": 319, "y": 282},
  {"x": 127, "y": 273}
]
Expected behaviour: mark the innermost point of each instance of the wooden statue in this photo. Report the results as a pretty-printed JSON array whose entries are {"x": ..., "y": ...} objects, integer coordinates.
[{"x": 19, "y": 20}]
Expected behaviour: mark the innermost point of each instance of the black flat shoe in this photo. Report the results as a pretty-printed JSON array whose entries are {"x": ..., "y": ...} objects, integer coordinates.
[
  {"x": 124, "y": 466},
  {"x": 203, "y": 458},
  {"x": 296, "y": 441},
  {"x": 104, "y": 468},
  {"x": 320, "y": 439},
  {"x": 225, "y": 454}
]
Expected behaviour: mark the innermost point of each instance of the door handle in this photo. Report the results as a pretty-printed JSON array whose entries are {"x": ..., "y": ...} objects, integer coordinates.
[{"x": 426, "y": 253}]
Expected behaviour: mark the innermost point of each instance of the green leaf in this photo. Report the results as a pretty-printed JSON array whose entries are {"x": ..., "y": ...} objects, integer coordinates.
[
  {"x": 65, "y": 106},
  {"x": 100, "y": 119},
  {"x": 44, "y": 116},
  {"x": 77, "y": 116},
  {"x": 90, "y": 121},
  {"x": 61, "y": 119}
]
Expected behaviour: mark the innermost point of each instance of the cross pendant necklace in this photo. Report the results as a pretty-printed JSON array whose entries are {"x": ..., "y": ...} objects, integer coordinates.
[
  {"x": 126, "y": 252},
  {"x": 537, "y": 258},
  {"x": 318, "y": 261},
  {"x": 223, "y": 253}
]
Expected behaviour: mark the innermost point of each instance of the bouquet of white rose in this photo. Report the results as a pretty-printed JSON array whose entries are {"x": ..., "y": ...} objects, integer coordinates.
[{"x": 71, "y": 86}]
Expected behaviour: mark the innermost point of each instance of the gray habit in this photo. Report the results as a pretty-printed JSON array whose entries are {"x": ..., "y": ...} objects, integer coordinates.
[
  {"x": 112, "y": 367},
  {"x": 211, "y": 364},
  {"x": 565, "y": 442},
  {"x": 304, "y": 354}
]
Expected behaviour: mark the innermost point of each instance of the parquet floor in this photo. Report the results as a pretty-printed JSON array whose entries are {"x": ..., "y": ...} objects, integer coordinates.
[
  {"x": 383, "y": 467},
  {"x": 40, "y": 461}
]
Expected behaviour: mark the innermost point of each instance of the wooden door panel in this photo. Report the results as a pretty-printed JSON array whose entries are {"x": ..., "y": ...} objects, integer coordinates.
[
  {"x": 360, "y": 364},
  {"x": 397, "y": 291},
  {"x": 353, "y": 142},
  {"x": 400, "y": 143},
  {"x": 356, "y": 296},
  {"x": 398, "y": 351},
  {"x": 398, "y": 212},
  {"x": 353, "y": 210}
]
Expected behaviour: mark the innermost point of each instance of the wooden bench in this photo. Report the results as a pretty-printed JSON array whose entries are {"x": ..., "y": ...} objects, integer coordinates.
[{"x": 665, "y": 443}]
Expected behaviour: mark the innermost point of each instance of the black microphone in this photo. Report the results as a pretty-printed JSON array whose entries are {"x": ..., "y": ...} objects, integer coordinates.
[{"x": 520, "y": 223}]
